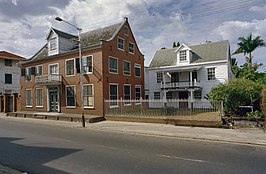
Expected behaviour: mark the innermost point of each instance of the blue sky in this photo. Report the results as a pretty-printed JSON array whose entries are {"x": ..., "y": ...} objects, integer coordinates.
[{"x": 155, "y": 23}]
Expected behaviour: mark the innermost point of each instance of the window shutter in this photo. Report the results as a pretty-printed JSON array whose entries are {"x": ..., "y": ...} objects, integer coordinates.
[
  {"x": 77, "y": 65},
  {"x": 23, "y": 71},
  {"x": 33, "y": 71}
]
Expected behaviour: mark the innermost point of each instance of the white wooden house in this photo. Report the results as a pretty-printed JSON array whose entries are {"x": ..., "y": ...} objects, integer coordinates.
[{"x": 187, "y": 72}]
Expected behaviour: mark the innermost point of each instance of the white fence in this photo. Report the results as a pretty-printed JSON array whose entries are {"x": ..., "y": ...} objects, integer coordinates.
[{"x": 173, "y": 107}]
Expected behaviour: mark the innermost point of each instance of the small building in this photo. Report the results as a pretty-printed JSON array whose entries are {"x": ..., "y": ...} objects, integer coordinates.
[
  {"x": 113, "y": 68},
  {"x": 188, "y": 72},
  {"x": 9, "y": 79}
]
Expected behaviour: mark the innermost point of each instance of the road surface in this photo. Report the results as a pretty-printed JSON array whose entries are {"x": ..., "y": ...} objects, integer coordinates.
[{"x": 37, "y": 148}]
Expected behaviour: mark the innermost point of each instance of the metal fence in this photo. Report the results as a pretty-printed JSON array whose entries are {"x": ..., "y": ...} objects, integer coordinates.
[{"x": 173, "y": 107}]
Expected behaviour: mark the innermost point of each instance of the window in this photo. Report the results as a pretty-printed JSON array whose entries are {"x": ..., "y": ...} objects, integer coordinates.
[
  {"x": 28, "y": 73},
  {"x": 211, "y": 73},
  {"x": 182, "y": 56},
  {"x": 126, "y": 68},
  {"x": 138, "y": 93},
  {"x": 159, "y": 77},
  {"x": 169, "y": 95},
  {"x": 127, "y": 94},
  {"x": 38, "y": 70},
  {"x": 70, "y": 67},
  {"x": 113, "y": 95},
  {"x": 126, "y": 30},
  {"x": 53, "y": 44},
  {"x": 87, "y": 64},
  {"x": 8, "y": 78},
  {"x": 38, "y": 97},
  {"x": 120, "y": 44},
  {"x": 131, "y": 47},
  {"x": 197, "y": 94},
  {"x": 137, "y": 70},
  {"x": 113, "y": 65},
  {"x": 70, "y": 96},
  {"x": 157, "y": 95},
  {"x": 53, "y": 69},
  {"x": 88, "y": 94},
  {"x": 8, "y": 62},
  {"x": 28, "y": 98}
]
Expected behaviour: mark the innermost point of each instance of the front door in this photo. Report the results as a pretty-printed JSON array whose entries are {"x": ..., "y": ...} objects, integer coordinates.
[
  {"x": 53, "y": 101},
  {"x": 183, "y": 95}
]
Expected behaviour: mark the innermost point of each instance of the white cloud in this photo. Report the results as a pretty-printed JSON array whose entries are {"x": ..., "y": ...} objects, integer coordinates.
[{"x": 261, "y": 9}]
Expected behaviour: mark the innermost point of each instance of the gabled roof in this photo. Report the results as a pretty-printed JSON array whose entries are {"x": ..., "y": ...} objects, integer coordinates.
[
  {"x": 61, "y": 34},
  {"x": 88, "y": 39},
  {"x": 208, "y": 52},
  {"x": 7, "y": 55}
]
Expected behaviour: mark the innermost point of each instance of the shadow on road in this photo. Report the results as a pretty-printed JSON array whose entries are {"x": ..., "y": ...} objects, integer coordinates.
[{"x": 30, "y": 159}]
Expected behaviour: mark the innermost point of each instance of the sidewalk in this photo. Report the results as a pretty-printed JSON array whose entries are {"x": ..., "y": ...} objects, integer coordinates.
[{"x": 248, "y": 136}]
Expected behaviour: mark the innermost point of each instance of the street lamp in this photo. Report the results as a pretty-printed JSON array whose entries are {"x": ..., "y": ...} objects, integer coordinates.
[{"x": 81, "y": 68}]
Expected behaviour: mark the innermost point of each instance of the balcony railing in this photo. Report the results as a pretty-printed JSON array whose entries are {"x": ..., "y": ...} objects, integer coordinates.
[
  {"x": 54, "y": 79},
  {"x": 180, "y": 84}
]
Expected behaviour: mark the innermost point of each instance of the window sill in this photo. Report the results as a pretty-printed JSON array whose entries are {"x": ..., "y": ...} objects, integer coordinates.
[
  {"x": 28, "y": 106},
  {"x": 39, "y": 106},
  {"x": 70, "y": 107}
]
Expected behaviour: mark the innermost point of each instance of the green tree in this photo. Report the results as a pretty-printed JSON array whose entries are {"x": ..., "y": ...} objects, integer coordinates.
[
  {"x": 237, "y": 92},
  {"x": 247, "y": 46},
  {"x": 174, "y": 45}
]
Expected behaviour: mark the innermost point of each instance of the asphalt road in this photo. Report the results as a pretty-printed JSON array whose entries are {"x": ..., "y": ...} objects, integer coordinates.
[{"x": 37, "y": 149}]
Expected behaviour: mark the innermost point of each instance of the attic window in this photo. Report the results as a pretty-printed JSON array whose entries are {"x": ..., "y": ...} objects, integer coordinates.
[
  {"x": 126, "y": 30},
  {"x": 53, "y": 44},
  {"x": 183, "y": 56}
]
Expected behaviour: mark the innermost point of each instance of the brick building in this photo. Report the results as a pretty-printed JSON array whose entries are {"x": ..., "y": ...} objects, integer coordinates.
[{"x": 113, "y": 68}]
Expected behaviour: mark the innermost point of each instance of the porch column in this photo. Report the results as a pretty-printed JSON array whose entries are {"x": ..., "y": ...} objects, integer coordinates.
[
  {"x": 191, "y": 80},
  {"x": 164, "y": 91},
  {"x": 1, "y": 103}
]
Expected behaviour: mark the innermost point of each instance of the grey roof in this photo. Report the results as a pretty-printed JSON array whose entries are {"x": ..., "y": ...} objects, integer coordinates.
[
  {"x": 207, "y": 52},
  {"x": 88, "y": 39}
]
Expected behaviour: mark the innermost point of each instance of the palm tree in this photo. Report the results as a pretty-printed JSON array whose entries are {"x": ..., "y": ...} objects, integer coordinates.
[{"x": 247, "y": 46}]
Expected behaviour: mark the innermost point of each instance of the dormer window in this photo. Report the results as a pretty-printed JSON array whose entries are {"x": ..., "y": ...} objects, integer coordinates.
[
  {"x": 53, "y": 44},
  {"x": 183, "y": 56}
]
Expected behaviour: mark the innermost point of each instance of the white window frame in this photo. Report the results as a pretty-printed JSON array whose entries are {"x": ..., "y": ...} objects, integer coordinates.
[
  {"x": 196, "y": 94},
  {"x": 114, "y": 106},
  {"x": 110, "y": 57},
  {"x": 28, "y": 99},
  {"x": 53, "y": 45},
  {"x": 137, "y": 66},
  {"x": 159, "y": 77},
  {"x": 37, "y": 73},
  {"x": 183, "y": 56},
  {"x": 74, "y": 67},
  {"x": 49, "y": 66},
  {"x": 28, "y": 74},
  {"x": 126, "y": 29},
  {"x": 36, "y": 98},
  {"x": 125, "y": 72},
  {"x": 155, "y": 95},
  {"x": 127, "y": 103},
  {"x": 74, "y": 96},
  {"x": 138, "y": 100},
  {"x": 92, "y": 96},
  {"x": 133, "y": 48},
  {"x": 119, "y": 44},
  {"x": 213, "y": 75},
  {"x": 83, "y": 63}
]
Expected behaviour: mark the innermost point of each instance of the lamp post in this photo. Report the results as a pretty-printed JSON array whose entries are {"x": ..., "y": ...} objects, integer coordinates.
[{"x": 81, "y": 69}]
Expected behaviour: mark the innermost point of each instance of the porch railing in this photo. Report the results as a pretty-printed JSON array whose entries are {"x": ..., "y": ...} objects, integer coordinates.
[
  {"x": 169, "y": 85},
  {"x": 48, "y": 79}
]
